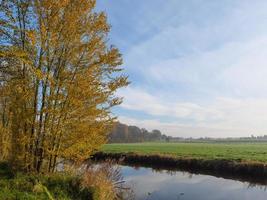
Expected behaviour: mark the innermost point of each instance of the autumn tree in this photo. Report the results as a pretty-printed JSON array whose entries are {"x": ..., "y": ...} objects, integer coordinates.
[{"x": 58, "y": 78}]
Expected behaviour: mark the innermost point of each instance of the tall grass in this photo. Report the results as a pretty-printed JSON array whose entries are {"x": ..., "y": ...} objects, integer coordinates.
[{"x": 107, "y": 180}]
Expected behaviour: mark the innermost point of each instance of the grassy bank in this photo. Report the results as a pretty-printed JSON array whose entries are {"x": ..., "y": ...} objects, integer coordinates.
[
  {"x": 103, "y": 182},
  {"x": 249, "y": 152},
  {"x": 47, "y": 187},
  {"x": 242, "y": 161},
  {"x": 253, "y": 172}
]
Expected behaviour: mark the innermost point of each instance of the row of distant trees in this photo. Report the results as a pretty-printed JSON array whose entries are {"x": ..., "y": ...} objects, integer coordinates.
[{"x": 123, "y": 133}]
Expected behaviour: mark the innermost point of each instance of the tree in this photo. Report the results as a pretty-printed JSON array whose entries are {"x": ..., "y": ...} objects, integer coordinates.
[
  {"x": 156, "y": 135},
  {"x": 58, "y": 79}
]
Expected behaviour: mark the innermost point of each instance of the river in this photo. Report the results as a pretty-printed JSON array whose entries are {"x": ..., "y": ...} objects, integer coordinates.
[{"x": 149, "y": 184}]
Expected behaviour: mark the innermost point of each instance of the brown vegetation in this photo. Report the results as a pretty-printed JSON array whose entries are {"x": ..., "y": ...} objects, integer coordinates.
[{"x": 246, "y": 171}]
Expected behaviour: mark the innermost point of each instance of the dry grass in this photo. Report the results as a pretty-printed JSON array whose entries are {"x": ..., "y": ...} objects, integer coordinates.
[{"x": 107, "y": 181}]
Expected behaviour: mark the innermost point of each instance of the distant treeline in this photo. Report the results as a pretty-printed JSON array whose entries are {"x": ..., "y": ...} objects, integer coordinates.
[{"x": 123, "y": 133}]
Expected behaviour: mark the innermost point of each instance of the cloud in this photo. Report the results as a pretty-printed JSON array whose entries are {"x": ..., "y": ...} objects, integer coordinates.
[
  {"x": 140, "y": 100},
  {"x": 235, "y": 69},
  {"x": 200, "y": 74},
  {"x": 206, "y": 55},
  {"x": 224, "y": 117}
]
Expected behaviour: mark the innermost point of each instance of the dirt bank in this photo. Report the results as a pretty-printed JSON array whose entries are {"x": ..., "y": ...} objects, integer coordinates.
[{"x": 254, "y": 172}]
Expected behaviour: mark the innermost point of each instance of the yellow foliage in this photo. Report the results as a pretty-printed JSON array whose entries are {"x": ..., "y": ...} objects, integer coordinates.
[{"x": 57, "y": 82}]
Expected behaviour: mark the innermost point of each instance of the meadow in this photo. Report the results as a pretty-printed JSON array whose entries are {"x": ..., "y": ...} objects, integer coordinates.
[{"x": 238, "y": 151}]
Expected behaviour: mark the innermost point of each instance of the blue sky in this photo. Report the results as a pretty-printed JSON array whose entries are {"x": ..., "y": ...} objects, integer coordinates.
[{"x": 197, "y": 67}]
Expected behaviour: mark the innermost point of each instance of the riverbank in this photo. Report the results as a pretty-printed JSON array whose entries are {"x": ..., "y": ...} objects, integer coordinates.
[
  {"x": 18, "y": 185},
  {"x": 74, "y": 183},
  {"x": 254, "y": 172}
]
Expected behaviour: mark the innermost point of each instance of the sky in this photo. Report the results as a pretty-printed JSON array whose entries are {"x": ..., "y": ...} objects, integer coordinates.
[{"x": 198, "y": 68}]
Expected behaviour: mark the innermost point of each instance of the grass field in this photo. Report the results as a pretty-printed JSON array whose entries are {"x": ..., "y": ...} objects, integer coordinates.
[{"x": 238, "y": 151}]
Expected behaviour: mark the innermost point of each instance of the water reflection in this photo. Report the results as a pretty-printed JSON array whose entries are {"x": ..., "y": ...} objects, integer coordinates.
[{"x": 149, "y": 184}]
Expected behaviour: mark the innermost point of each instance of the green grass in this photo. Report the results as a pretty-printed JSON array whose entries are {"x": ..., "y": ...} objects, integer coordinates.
[
  {"x": 19, "y": 186},
  {"x": 256, "y": 151}
]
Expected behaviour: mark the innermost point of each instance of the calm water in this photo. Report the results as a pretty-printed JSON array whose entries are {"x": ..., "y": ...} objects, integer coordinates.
[{"x": 148, "y": 184}]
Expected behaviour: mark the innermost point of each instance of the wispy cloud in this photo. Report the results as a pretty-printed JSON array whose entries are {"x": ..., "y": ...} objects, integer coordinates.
[
  {"x": 221, "y": 117},
  {"x": 198, "y": 68}
]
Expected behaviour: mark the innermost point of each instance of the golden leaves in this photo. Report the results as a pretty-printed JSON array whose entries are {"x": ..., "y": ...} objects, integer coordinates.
[
  {"x": 31, "y": 36},
  {"x": 62, "y": 87}
]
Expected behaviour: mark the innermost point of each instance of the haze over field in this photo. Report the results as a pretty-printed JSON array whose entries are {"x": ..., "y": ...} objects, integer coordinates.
[{"x": 198, "y": 68}]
